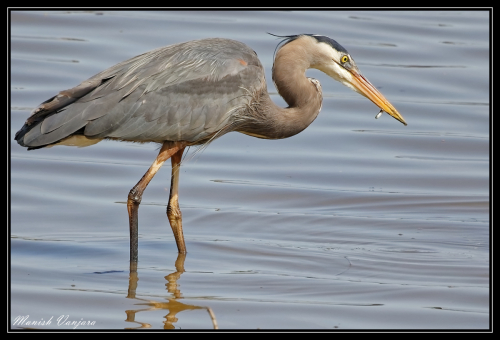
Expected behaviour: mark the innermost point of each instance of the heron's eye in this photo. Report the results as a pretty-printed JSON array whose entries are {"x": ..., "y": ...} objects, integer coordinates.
[{"x": 344, "y": 59}]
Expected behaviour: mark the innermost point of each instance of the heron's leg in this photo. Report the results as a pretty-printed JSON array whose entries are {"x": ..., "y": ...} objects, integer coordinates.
[
  {"x": 173, "y": 212},
  {"x": 135, "y": 195}
]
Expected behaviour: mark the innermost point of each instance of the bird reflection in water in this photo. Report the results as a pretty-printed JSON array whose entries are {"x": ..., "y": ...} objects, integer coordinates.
[{"x": 172, "y": 305}]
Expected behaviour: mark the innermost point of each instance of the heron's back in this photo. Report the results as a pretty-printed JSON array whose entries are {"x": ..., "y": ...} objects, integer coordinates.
[{"x": 183, "y": 92}]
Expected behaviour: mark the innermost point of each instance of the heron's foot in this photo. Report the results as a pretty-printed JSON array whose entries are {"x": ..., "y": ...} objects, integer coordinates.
[{"x": 175, "y": 218}]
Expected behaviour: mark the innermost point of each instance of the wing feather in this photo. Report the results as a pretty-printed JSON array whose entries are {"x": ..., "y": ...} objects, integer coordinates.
[{"x": 186, "y": 91}]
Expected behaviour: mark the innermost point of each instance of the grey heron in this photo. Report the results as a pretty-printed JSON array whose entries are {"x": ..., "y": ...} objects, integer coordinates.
[{"x": 189, "y": 94}]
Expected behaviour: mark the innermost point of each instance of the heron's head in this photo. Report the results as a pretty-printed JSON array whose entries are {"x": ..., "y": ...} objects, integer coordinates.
[{"x": 328, "y": 56}]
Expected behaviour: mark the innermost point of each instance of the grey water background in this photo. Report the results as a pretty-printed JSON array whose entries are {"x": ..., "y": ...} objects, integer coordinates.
[{"x": 355, "y": 223}]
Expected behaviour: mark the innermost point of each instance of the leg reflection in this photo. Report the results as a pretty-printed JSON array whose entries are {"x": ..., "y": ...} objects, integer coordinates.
[
  {"x": 173, "y": 277},
  {"x": 172, "y": 304}
]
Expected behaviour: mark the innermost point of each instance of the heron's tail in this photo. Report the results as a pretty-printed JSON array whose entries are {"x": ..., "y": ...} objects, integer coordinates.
[
  {"x": 20, "y": 135},
  {"x": 34, "y": 136}
]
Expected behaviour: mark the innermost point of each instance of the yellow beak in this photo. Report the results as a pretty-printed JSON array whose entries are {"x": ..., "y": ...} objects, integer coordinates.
[{"x": 369, "y": 91}]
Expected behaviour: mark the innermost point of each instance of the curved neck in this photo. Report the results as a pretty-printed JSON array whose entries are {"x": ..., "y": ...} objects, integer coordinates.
[{"x": 302, "y": 94}]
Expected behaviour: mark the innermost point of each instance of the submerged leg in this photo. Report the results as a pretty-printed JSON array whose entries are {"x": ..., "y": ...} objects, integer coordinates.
[
  {"x": 135, "y": 195},
  {"x": 173, "y": 212}
]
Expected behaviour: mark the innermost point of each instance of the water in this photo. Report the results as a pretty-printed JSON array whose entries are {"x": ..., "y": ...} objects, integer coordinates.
[{"x": 355, "y": 223}]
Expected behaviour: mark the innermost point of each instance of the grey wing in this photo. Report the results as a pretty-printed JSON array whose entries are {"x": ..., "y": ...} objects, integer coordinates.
[{"x": 187, "y": 92}]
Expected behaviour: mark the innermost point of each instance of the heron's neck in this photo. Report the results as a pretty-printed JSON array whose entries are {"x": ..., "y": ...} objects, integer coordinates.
[{"x": 301, "y": 94}]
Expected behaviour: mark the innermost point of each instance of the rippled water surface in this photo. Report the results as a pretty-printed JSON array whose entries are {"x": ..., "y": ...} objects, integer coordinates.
[{"x": 355, "y": 223}]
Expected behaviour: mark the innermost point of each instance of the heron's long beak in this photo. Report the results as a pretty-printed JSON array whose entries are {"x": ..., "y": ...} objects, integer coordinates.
[{"x": 366, "y": 88}]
